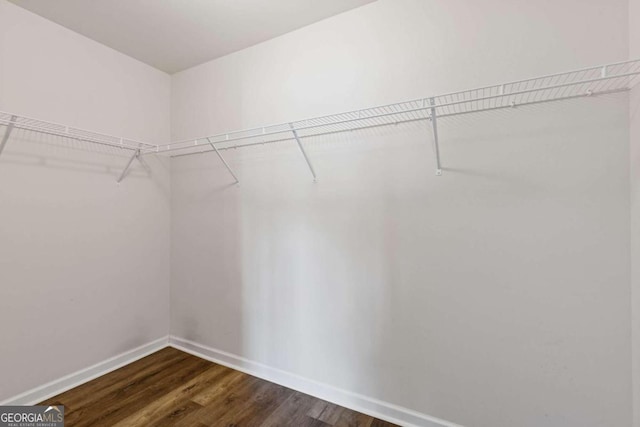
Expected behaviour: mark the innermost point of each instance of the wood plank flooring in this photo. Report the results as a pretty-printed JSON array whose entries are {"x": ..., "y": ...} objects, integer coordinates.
[{"x": 173, "y": 388}]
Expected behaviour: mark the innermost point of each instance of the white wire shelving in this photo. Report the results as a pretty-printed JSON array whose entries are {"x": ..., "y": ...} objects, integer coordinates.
[
  {"x": 597, "y": 80},
  {"x": 592, "y": 81},
  {"x": 15, "y": 122}
]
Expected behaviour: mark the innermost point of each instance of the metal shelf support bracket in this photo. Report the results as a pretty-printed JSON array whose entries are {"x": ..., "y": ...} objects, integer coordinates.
[
  {"x": 136, "y": 155},
  {"x": 7, "y": 133},
  {"x": 223, "y": 160},
  {"x": 434, "y": 125},
  {"x": 304, "y": 153}
]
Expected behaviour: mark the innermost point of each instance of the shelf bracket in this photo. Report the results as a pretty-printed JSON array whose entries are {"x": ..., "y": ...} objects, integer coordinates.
[
  {"x": 7, "y": 132},
  {"x": 223, "y": 160},
  {"x": 136, "y": 155},
  {"x": 434, "y": 125},
  {"x": 304, "y": 153}
]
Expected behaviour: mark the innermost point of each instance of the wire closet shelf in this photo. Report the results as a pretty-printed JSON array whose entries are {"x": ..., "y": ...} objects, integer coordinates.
[
  {"x": 597, "y": 80},
  {"x": 591, "y": 81},
  {"x": 16, "y": 122}
]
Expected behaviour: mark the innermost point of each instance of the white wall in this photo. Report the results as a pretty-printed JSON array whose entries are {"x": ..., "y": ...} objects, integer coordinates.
[
  {"x": 634, "y": 111},
  {"x": 496, "y": 295},
  {"x": 84, "y": 262}
]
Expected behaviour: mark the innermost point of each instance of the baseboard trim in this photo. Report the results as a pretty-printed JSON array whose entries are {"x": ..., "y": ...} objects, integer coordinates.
[
  {"x": 53, "y": 388},
  {"x": 366, "y": 405}
]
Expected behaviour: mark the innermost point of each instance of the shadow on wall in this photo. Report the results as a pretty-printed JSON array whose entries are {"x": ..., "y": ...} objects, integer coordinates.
[
  {"x": 33, "y": 149},
  {"x": 439, "y": 294},
  {"x": 634, "y": 118},
  {"x": 74, "y": 241},
  {"x": 206, "y": 251}
]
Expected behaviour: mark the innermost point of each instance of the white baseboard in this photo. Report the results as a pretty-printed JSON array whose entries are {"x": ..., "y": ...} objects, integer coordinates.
[
  {"x": 366, "y": 405},
  {"x": 53, "y": 388}
]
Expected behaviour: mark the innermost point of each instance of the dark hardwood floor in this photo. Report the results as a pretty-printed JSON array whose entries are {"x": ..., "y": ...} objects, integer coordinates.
[{"x": 173, "y": 388}]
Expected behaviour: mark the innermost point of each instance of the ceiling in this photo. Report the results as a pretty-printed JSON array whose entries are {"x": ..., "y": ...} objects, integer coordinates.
[{"x": 173, "y": 35}]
